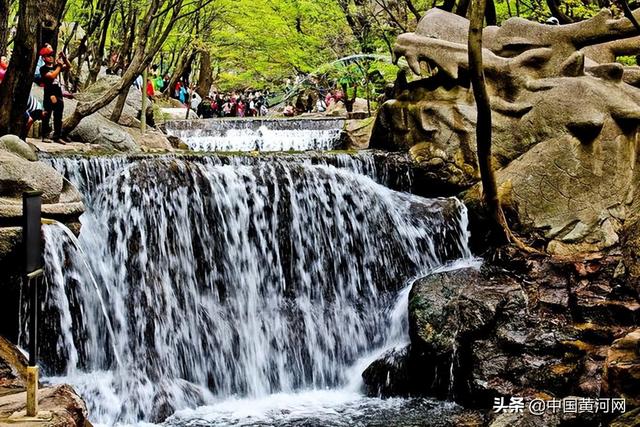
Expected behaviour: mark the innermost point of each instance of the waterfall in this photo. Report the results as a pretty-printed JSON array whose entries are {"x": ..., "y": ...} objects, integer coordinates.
[
  {"x": 221, "y": 279},
  {"x": 258, "y": 134}
]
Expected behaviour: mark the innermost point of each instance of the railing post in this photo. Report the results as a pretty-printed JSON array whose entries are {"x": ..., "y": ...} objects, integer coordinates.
[{"x": 31, "y": 238}]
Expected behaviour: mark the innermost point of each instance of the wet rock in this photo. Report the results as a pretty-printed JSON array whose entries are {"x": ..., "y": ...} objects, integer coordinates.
[
  {"x": 175, "y": 393},
  {"x": 66, "y": 407},
  {"x": 358, "y": 133},
  {"x": 622, "y": 369},
  {"x": 390, "y": 375},
  {"x": 13, "y": 366},
  {"x": 519, "y": 327},
  {"x": 438, "y": 302},
  {"x": 630, "y": 419}
]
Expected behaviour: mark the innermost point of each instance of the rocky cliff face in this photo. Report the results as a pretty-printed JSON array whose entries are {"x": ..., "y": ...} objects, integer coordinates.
[
  {"x": 565, "y": 140},
  {"x": 564, "y": 127},
  {"x": 532, "y": 328}
]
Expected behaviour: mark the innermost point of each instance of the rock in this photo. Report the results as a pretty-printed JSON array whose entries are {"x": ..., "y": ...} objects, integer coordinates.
[
  {"x": 358, "y": 133},
  {"x": 439, "y": 301},
  {"x": 631, "y": 250},
  {"x": 390, "y": 375},
  {"x": 151, "y": 140},
  {"x": 526, "y": 419},
  {"x": 66, "y": 407},
  {"x": 170, "y": 392},
  {"x": 13, "y": 366},
  {"x": 60, "y": 200},
  {"x": 630, "y": 419},
  {"x": 171, "y": 114},
  {"x": 15, "y": 145},
  {"x": 517, "y": 327},
  {"x": 10, "y": 238},
  {"x": 622, "y": 369},
  {"x": 18, "y": 175},
  {"x": 97, "y": 129},
  {"x": 338, "y": 109},
  {"x": 566, "y": 166}
]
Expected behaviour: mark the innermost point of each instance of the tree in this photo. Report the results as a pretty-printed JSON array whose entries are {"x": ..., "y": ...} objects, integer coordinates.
[
  {"x": 51, "y": 12},
  {"x": 151, "y": 33},
  {"x": 16, "y": 86},
  {"x": 554, "y": 7},
  {"x": 5, "y": 6},
  {"x": 484, "y": 123}
]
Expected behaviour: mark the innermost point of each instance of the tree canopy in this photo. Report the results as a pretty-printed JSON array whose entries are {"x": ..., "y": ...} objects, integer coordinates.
[{"x": 233, "y": 44}]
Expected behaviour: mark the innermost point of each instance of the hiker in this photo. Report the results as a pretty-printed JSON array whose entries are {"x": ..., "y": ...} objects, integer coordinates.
[{"x": 53, "y": 100}]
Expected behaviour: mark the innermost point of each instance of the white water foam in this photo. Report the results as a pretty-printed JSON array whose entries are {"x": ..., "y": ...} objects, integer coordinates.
[{"x": 238, "y": 285}]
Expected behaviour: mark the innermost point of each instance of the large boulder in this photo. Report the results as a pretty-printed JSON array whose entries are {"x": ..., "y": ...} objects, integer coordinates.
[
  {"x": 60, "y": 200},
  {"x": 518, "y": 327},
  {"x": 566, "y": 164},
  {"x": 15, "y": 145},
  {"x": 99, "y": 130}
]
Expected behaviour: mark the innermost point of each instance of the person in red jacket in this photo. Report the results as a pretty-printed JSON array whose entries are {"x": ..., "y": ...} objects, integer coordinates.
[
  {"x": 53, "y": 101},
  {"x": 150, "y": 91}
]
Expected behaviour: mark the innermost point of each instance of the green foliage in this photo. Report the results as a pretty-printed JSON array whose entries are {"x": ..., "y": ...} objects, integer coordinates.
[
  {"x": 627, "y": 60},
  {"x": 537, "y": 10},
  {"x": 261, "y": 43}
]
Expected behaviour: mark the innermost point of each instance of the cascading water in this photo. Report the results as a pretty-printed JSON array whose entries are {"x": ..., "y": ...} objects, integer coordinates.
[
  {"x": 238, "y": 285},
  {"x": 265, "y": 135}
]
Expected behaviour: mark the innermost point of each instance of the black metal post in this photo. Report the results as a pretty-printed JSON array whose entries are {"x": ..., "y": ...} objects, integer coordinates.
[{"x": 31, "y": 238}]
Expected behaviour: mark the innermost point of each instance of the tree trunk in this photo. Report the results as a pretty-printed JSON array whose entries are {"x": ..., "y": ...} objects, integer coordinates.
[
  {"x": 16, "y": 86},
  {"x": 98, "y": 51},
  {"x": 87, "y": 108},
  {"x": 51, "y": 17},
  {"x": 122, "y": 100},
  {"x": 205, "y": 77},
  {"x": 448, "y": 5},
  {"x": 4, "y": 26},
  {"x": 141, "y": 59},
  {"x": 554, "y": 7},
  {"x": 413, "y": 9},
  {"x": 490, "y": 13},
  {"x": 483, "y": 125},
  {"x": 463, "y": 8},
  {"x": 629, "y": 14},
  {"x": 184, "y": 63}
]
